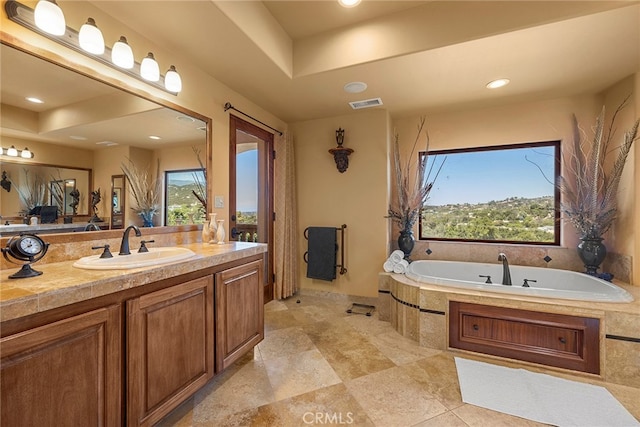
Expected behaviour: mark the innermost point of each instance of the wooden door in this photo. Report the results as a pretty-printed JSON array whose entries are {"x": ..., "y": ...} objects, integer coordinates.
[
  {"x": 67, "y": 373},
  {"x": 169, "y": 348},
  {"x": 239, "y": 312},
  {"x": 251, "y": 190}
]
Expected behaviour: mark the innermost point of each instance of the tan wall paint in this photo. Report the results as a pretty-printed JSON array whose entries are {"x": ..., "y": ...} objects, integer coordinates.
[
  {"x": 201, "y": 93},
  {"x": 356, "y": 197},
  {"x": 539, "y": 121}
]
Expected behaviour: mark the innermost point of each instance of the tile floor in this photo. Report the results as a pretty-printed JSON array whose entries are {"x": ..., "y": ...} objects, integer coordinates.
[{"x": 319, "y": 365}]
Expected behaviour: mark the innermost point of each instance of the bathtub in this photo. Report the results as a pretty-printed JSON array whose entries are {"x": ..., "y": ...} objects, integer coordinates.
[{"x": 549, "y": 282}]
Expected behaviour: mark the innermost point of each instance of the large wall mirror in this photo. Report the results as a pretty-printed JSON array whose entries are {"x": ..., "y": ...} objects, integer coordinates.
[{"x": 80, "y": 136}]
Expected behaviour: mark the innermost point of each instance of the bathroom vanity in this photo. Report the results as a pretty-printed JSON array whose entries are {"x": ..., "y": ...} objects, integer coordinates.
[{"x": 125, "y": 347}]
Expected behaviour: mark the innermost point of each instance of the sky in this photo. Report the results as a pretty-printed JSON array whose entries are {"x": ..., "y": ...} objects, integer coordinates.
[
  {"x": 479, "y": 177},
  {"x": 247, "y": 181}
]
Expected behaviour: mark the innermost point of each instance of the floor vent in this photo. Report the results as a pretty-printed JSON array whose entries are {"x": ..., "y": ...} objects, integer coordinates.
[{"x": 356, "y": 105}]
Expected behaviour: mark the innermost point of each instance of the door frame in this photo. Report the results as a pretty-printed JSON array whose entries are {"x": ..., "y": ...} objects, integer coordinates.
[{"x": 238, "y": 124}]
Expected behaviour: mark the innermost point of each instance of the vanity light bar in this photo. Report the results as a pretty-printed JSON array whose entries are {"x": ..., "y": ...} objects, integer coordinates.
[
  {"x": 14, "y": 152},
  {"x": 23, "y": 15}
]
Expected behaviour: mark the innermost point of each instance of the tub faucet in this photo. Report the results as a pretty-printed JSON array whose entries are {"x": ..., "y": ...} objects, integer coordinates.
[
  {"x": 506, "y": 274},
  {"x": 124, "y": 245}
]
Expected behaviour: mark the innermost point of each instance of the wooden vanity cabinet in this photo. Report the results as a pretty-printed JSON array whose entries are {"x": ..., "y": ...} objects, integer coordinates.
[
  {"x": 170, "y": 348},
  {"x": 239, "y": 312},
  {"x": 65, "y": 373}
]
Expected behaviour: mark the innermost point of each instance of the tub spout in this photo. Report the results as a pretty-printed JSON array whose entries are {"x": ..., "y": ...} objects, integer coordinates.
[{"x": 506, "y": 274}]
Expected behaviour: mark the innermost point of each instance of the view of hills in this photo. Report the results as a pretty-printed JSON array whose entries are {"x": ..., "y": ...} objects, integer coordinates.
[{"x": 512, "y": 219}]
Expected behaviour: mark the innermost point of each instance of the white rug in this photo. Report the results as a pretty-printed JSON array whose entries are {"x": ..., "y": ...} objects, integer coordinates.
[{"x": 539, "y": 397}]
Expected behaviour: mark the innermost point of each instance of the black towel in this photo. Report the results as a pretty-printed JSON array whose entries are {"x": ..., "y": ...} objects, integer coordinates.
[{"x": 321, "y": 261}]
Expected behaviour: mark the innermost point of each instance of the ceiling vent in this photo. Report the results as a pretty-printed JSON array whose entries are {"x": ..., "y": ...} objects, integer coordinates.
[{"x": 374, "y": 102}]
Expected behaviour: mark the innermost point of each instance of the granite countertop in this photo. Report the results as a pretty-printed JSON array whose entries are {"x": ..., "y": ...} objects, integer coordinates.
[
  {"x": 39, "y": 228},
  {"x": 62, "y": 284}
]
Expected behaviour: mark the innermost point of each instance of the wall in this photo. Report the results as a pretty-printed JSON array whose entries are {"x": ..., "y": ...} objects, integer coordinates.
[
  {"x": 527, "y": 122},
  {"x": 201, "y": 93},
  {"x": 356, "y": 197}
]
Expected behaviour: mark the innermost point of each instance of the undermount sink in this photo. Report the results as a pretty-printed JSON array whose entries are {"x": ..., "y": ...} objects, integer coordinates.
[{"x": 155, "y": 256}]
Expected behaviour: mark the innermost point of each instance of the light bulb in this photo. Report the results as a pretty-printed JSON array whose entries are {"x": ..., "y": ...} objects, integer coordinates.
[
  {"x": 26, "y": 154},
  {"x": 12, "y": 151},
  {"x": 90, "y": 38},
  {"x": 149, "y": 69},
  {"x": 121, "y": 54},
  {"x": 348, "y": 3},
  {"x": 172, "y": 80},
  {"x": 49, "y": 17}
]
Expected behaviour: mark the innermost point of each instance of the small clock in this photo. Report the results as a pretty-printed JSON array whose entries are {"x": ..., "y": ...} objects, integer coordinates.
[{"x": 25, "y": 249}]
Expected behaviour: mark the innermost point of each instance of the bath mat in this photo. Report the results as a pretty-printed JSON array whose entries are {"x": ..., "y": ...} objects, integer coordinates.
[{"x": 539, "y": 397}]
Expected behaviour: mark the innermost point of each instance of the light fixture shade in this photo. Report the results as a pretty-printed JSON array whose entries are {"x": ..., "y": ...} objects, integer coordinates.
[
  {"x": 90, "y": 38},
  {"x": 121, "y": 54},
  {"x": 172, "y": 80},
  {"x": 149, "y": 69},
  {"x": 11, "y": 151},
  {"x": 49, "y": 17},
  {"x": 26, "y": 154},
  {"x": 349, "y": 3}
]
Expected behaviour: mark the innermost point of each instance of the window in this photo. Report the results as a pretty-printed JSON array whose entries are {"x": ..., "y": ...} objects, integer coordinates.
[
  {"x": 183, "y": 192},
  {"x": 495, "y": 194}
]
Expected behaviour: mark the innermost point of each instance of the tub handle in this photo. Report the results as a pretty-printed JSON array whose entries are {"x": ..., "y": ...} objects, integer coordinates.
[
  {"x": 562, "y": 340},
  {"x": 526, "y": 283},
  {"x": 488, "y": 278}
]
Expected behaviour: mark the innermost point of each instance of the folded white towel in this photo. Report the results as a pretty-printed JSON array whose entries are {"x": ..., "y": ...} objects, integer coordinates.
[
  {"x": 401, "y": 267},
  {"x": 396, "y": 256},
  {"x": 388, "y": 266}
]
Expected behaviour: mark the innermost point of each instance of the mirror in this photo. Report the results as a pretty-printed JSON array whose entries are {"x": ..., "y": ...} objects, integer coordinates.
[
  {"x": 80, "y": 136},
  {"x": 118, "y": 202}
]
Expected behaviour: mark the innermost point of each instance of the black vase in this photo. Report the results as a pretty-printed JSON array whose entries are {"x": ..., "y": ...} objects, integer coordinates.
[
  {"x": 406, "y": 242},
  {"x": 592, "y": 252}
]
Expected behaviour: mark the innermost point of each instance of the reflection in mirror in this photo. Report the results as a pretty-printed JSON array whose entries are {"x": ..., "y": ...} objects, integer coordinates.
[
  {"x": 117, "y": 201},
  {"x": 84, "y": 131}
]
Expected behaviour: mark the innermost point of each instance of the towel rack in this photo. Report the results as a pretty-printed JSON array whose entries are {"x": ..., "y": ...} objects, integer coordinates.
[{"x": 343, "y": 269}]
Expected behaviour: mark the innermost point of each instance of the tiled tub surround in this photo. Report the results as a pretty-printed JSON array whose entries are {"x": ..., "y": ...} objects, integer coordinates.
[{"x": 420, "y": 311}]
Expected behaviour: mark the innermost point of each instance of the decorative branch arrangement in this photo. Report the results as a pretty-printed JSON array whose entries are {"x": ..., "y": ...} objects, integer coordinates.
[
  {"x": 412, "y": 191},
  {"x": 589, "y": 189},
  {"x": 201, "y": 187},
  {"x": 145, "y": 189},
  {"x": 32, "y": 192}
]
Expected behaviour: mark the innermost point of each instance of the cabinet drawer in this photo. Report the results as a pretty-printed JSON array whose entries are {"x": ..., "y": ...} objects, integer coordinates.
[{"x": 551, "y": 339}]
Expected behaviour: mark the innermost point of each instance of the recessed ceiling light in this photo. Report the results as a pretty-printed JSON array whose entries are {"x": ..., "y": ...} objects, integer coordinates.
[
  {"x": 348, "y": 3},
  {"x": 202, "y": 128},
  {"x": 34, "y": 100},
  {"x": 154, "y": 137},
  {"x": 495, "y": 84},
  {"x": 355, "y": 87},
  {"x": 106, "y": 143},
  {"x": 78, "y": 138},
  {"x": 186, "y": 119}
]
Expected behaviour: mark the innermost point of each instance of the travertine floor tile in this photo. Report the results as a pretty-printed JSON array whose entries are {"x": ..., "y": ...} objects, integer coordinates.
[
  {"x": 284, "y": 342},
  {"x": 399, "y": 349},
  {"x": 392, "y": 398},
  {"x": 299, "y": 373},
  {"x": 439, "y": 377},
  {"x": 475, "y": 416}
]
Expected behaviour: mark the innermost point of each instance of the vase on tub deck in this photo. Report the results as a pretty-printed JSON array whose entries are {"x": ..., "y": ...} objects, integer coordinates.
[
  {"x": 147, "y": 217},
  {"x": 406, "y": 241},
  {"x": 220, "y": 233},
  {"x": 213, "y": 228},
  {"x": 592, "y": 252}
]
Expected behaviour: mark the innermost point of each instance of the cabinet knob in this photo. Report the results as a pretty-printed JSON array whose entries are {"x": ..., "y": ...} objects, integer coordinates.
[
  {"x": 562, "y": 340},
  {"x": 476, "y": 327}
]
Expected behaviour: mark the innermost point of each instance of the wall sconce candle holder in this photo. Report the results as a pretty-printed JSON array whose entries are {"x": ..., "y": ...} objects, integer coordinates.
[{"x": 340, "y": 153}]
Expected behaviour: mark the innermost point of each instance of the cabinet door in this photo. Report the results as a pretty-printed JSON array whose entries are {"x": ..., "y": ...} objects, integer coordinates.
[
  {"x": 239, "y": 312},
  {"x": 169, "y": 348},
  {"x": 67, "y": 373}
]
